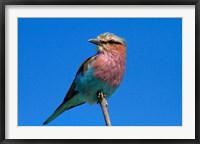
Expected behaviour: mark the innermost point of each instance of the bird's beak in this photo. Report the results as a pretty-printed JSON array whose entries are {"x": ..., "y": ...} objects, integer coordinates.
[{"x": 95, "y": 41}]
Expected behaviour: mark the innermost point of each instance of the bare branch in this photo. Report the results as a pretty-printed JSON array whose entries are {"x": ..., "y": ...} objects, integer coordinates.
[{"x": 103, "y": 103}]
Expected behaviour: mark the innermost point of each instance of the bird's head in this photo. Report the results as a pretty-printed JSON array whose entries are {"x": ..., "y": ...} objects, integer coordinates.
[{"x": 109, "y": 42}]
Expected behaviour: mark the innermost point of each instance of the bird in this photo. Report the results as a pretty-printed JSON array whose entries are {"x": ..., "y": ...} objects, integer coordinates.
[{"x": 102, "y": 72}]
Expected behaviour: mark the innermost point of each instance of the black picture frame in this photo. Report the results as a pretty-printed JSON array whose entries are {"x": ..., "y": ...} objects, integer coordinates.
[{"x": 3, "y": 3}]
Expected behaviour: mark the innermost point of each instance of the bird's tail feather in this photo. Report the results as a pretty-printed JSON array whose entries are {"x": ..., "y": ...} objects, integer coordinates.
[
  {"x": 64, "y": 106},
  {"x": 57, "y": 112}
]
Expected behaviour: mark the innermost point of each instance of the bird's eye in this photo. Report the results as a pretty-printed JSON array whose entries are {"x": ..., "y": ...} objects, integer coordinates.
[
  {"x": 114, "y": 42},
  {"x": 111, "y": 42},
  {"x": 102, "y": 42}
]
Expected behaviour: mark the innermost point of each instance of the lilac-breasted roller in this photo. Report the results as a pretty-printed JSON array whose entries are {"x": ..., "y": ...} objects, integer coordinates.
[{"x": 101, "y": 72}]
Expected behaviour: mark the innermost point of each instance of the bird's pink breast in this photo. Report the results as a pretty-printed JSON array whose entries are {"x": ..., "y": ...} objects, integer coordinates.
[{"x": 110, "y": 68}]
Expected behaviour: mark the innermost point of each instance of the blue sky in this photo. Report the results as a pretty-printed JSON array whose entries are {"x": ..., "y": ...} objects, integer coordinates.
[{"x": 50, "y": 51}]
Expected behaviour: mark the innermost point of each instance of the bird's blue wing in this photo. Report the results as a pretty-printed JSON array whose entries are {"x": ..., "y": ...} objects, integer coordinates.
[{"x": 82, "y": 69}]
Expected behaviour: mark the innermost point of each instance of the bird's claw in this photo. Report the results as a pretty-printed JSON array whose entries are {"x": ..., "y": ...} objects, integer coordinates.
[{"x": 100, "y": 97}]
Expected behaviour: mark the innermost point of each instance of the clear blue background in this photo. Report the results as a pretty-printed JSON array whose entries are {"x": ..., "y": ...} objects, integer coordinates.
[{"x": 50, "y": 51}]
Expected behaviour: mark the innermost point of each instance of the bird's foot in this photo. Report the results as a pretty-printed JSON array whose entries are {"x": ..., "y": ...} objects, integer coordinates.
[{"x": 100, "y": 97}]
